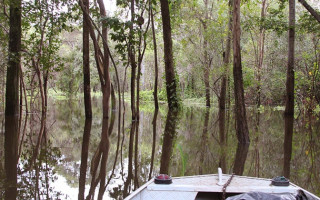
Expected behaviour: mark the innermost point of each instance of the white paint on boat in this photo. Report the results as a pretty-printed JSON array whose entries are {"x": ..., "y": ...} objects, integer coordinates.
[{"x": 187, "y": 187}]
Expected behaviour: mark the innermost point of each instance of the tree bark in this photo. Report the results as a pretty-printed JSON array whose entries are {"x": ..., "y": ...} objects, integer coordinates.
[
  {"x": 133, "y": 64},
  {"x": 206, "y": 68},
  {"x": 12, "y": 101},
  {"x": 313, "y": 12},
  {"x": 241, "y": 118},
  {"x": 171, "y": 80},
  {"x": 223, "y": 90},
  {"x": 86, "y": 64},
  {"x": 289, "y": 110},
  {"x": 261, "y": 52},
  {"x": 155, "y": 90}
]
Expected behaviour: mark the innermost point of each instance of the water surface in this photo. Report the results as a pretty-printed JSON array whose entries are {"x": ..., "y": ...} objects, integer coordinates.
[{"x": 56, "y": 152}]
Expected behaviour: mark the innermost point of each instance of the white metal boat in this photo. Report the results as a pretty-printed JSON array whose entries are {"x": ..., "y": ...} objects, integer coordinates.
[{"x": 218, "y": 186}]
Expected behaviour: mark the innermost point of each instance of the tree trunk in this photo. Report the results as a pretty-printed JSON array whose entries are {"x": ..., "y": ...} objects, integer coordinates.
[
  {"x": 261, "y": 52},
  {"x": 289, "y": 110},
  {"x": 106, "y": 90},
  {"x": 171, "y": 80},
  {"x": 12, "y": 101},
  {"x": 86, "y": 64},
  {"x": 155, "y": 90},
  {"x": 133, "y": 64},
  {"x": 206, "y": 70},
  {"x": 241, "y": 118},
  {"x": 223, "y": 90}
]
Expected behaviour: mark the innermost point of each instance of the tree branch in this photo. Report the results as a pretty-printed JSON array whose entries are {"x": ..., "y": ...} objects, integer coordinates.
[{"x": 312, "y": 11}]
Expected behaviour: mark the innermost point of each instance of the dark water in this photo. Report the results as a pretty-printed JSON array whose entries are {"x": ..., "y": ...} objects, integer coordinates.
[{"x": 58, "y": 151}]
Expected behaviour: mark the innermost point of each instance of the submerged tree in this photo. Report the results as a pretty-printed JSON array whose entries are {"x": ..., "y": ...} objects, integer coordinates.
[
  {"x": 12, "y": 101},
  {"x": 171, "y": 76},
  {"x": 86, "y": 64},
  {"x": 289, "y": 110},
  {"x": 240, "y": 109}
]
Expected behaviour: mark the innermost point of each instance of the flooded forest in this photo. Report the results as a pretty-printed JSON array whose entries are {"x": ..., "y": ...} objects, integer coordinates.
[{"x": 97, "y": 97}]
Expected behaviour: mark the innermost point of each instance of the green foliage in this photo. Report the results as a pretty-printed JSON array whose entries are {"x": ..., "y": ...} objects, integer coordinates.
[
  {"x": 41, "y": 43},
  {"x": 308, "y": 24},
  {"x": 147, "y": 95},
  {"x": 248, "y": 77},
  {"x": 277, "y": 18},
  {"x": 71, "y": 75}
]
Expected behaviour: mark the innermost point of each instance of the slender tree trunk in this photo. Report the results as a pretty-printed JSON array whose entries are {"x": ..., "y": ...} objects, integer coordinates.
[
  {"x": 141, "y": 50},
  {"x": 289, "y": 110},
  {"x": 223, "y": 90},
  {"x": 84, "y": 158},
  {"x": 171, "y": 76},
  {"x": 106, "y": 90},
  {"x": 155, "y": 90},
  {"x": 12, "y": 101},
  {"x": 45, "y": 89},
  {"x": 241, "y": 118},
  {"x": 261, "y": 52},
  {"x": 86, "y": 64},
  {"x": 133, "y": 64},
  {"x": 206, "y": 69}
]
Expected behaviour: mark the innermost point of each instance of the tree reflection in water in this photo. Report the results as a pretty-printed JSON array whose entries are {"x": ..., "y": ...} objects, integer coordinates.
[
  {"x": 11, "y": 156},
  {"x": 154, "y": 140},
  {"x": 240, "y": 159},
  {"x": 127, "y": 183},
  {"x": 168, "y": 138},
  {"x": 287, "y": 145},
  {"x": 84, "y": 157},
  {"x": 35, "y": 171},
  {"x": 159, "y": 144}
]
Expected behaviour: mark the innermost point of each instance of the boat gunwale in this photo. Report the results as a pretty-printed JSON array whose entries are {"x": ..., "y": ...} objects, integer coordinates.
[{"x": 295, "y": 187}]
